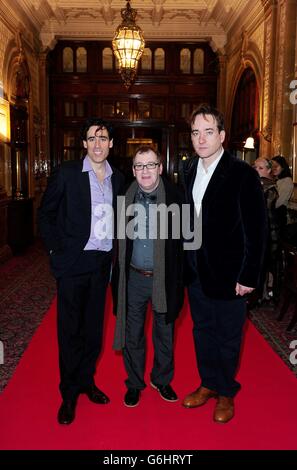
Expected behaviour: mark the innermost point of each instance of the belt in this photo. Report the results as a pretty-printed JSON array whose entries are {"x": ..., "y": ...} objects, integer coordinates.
[{"x": 142, "y": 271}]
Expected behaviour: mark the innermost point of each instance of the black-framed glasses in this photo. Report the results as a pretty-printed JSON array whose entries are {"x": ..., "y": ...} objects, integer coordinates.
[{"x": 149, "y": 166}]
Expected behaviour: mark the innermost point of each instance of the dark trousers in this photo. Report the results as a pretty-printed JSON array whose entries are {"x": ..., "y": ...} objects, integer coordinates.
[
  {"x": 81, "y": 303},
  {"x": 217, "y": 335},
  {"x": 139, "y": 294}
]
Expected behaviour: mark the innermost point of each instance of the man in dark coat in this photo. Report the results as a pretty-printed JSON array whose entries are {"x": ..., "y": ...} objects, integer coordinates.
[
  {"x": 226, "y": 195},
  {"x": 75, "y": 220},
  {"x": 149, "y": 268}
]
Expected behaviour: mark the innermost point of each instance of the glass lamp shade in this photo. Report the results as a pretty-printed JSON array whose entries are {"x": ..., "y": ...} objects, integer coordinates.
[
  {"x": 249, "y": 144},
  {"x": 128, "y": 45}
]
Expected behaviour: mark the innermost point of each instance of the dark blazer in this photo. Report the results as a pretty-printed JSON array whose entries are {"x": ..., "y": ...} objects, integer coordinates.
[
  {"x": 174, "y": 282},
  {"x": 234, "y": 228},
  {"x": 64, "y": 215}
]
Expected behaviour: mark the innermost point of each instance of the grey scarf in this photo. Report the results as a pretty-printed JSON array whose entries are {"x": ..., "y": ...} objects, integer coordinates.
[{"x": 158, "y": 294}]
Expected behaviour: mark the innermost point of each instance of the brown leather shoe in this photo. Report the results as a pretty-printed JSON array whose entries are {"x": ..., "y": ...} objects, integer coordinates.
[
  {"x": 199, "y": 397},
  {"x": 224, "y": 410}
]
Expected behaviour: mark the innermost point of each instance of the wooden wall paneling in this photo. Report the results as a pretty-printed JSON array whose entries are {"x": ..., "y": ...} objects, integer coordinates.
[{"x": 102, "y": 91}]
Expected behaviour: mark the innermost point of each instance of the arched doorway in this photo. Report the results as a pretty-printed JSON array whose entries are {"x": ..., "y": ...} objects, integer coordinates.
[{"x": 245, "y": 116}]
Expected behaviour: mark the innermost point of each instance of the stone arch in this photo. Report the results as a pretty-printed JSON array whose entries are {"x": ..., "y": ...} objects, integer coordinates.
[
  {"x": 14, "y": 62},
  {"x": 254, "y": 60},
  {"x": 10, "y": 57}
]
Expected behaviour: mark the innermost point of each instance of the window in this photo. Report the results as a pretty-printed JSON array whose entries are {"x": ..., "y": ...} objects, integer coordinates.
[
  {"x": 143, "y": 110},
  {"x": 67, "y": 59},
  {"x": 185, "y": 61},
  {"x": 185, "y": 110},
  {"x": 69, "y": 139},
  {"x": 122, "y": 109},
  {"x": 81, "y": 108},
  {"x": 81, "y": 59},
  {"x": 69, "y": 154},
  {"x": 146, "y": 59},
  {"x": 69, "y": 108},
  {"x": 158, "y": 111},
  {"x": 107, "y": 109},
  {"x": 75, "y": 108},
  {"x": 198, "y": 65},
  {"x": 159, "y": 59},
  {"x": 107, "y": 63}
]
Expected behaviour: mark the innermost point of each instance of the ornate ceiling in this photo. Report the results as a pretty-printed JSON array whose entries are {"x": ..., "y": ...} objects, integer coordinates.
[{"x": 160, "y": 19}]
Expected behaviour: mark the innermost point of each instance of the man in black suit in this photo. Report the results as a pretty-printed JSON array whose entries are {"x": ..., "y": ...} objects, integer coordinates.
[
  {"x": 76, "y": 223},
  {"x": 226, "y": 194}
]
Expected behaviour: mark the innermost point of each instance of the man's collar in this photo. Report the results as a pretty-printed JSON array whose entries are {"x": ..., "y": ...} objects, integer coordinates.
[
  {"x": 88, "y": 167},
  {"x": 142, "y": 195},
  {"x": 213, "y": 164}
]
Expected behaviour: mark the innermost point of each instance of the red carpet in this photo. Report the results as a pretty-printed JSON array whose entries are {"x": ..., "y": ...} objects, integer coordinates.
[{"x": 266, "y": 411}]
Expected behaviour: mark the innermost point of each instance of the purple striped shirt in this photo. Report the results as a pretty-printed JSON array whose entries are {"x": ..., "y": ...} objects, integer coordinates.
[{"x": 101, "y": 233}]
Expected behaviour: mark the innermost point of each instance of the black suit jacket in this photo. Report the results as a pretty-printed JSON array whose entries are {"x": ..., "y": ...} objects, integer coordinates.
[
  {"x": 234, "y": 228},
  {"x": 64, "y": 215}
]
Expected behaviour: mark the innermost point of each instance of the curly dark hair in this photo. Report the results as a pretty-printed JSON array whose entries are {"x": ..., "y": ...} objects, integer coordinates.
[{"x": 93, "y": 121}]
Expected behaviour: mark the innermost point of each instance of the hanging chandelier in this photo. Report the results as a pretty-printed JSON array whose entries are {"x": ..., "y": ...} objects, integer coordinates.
[{"x": 128, "y": 44}]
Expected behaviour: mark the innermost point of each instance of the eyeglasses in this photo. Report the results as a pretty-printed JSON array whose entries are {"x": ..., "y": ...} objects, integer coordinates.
[{"x": 149, "y": 166}]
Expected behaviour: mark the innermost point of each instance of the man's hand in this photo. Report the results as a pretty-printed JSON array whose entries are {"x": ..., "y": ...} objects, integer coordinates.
[{"x": 242, "y": 290}]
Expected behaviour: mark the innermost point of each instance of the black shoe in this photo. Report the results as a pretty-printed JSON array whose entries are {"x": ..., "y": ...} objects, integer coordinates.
[
  {"x": 166, "y": 392},
  {"x": 96, "y": 396},
  {"x": 132, "y": 397},
  {"x": 66, "y": 412}
]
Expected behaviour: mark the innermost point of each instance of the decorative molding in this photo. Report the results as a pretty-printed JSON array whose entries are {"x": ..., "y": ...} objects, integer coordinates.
[
  {"x": 267, "y": 4},
  {"x": 258, "y": 37},
  {"x": 5, "y": 37},
  {"x": 157, "y": 12},
  {"x": 267, "y": 85},
  {"x": 280, "y": 79},
  {"x": 244, "y": 46},
  {"x": 217, "y": 43},
  {"x": 108, "y": 13},
  {"x": 159, "y": 19},
  {"x": 48, "y": 40},
  {"x": 266, "y": 133}
]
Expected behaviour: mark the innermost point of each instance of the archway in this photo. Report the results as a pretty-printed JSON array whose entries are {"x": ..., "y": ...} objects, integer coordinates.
[{"x": 245, "y": 113}]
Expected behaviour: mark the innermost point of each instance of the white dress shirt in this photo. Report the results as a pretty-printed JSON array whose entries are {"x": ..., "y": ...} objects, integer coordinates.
[{"x": 203, "y": 176}]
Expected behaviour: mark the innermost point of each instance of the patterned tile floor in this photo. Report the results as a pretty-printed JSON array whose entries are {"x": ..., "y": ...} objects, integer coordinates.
[{"x": 27, "y": 289}]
